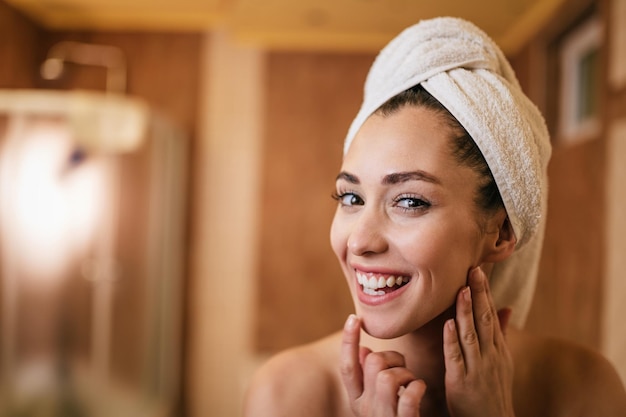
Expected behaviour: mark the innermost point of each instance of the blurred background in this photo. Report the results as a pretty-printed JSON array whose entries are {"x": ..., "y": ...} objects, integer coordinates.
[{"x": 165, "y": 178}]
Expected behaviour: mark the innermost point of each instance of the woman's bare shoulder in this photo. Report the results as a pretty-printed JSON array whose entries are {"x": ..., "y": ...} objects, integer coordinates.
[
  {"x": 301, "y": 381},
  {"x": 564, "y": 377}
]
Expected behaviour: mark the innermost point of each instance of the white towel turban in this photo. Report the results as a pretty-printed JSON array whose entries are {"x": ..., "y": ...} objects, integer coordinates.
[{"x": 459, "y": 65}]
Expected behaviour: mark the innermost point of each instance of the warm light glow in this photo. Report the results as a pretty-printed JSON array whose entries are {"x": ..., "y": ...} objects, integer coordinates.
[{"x": 55, "y": 203}]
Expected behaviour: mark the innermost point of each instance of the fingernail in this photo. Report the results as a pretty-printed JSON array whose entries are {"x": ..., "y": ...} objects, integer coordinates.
[
  {"x": 351, "y": 323},
  {"x": 451, "y": 324},
  {"x": 479, "y": 276},
  {"x": 467, "y": 295},
  {"x": 477, "y": 272}
]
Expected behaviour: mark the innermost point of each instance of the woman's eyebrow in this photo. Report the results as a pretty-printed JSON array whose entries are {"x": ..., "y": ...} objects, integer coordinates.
[
  {"x": 353, "y": 179},
  {"x": 399, "y": 177},
  {"x": 395, "y": 178}
]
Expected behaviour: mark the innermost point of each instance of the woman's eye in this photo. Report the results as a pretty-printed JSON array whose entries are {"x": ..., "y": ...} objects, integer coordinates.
[
  {"x": 348, "y": 199},
  {"x": 411, "y": 203}
]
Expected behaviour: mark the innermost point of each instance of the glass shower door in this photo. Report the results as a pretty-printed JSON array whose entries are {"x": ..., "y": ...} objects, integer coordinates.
[{"x": 91, "y": 270}]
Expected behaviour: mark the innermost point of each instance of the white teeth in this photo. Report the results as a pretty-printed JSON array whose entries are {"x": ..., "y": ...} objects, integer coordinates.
[
  {"x": 370, "y": 291},
  {"x": 372, "y": 284},
  {"x": 382, "y": 282}
]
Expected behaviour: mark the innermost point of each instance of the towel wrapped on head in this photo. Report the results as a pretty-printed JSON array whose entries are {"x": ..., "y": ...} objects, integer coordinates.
[{"x": 460, "y": 66}]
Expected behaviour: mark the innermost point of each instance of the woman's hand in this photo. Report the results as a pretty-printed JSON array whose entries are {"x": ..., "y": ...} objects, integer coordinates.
[
  {"x": 479, "y": 367},
  {"x": 378, "y": 383}
]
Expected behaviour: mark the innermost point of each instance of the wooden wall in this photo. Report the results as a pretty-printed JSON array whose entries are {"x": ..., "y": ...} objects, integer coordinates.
[
  {"x": 568, "y": 298},
  {"x": 614, "y": 338},
  {"x": 312, "y": 99},
  {"x": 18, "y": 49}
]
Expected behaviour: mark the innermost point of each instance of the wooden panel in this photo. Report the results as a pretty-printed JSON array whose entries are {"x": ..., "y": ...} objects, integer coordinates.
[
  {"x": 568, "y": 297},
  {"x": 569, "y": 292},
  {"x": 312, "y": 99},
  {"x": 617, "y": 105},
  {"x": 18, "y": 49},
  {"x": 614, "y": 338}
]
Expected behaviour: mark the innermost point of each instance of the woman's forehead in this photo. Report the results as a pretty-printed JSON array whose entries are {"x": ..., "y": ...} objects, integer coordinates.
[{"x": 406, "y": 140}]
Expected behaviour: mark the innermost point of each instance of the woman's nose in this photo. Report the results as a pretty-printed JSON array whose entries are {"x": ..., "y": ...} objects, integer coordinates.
[{"x": 366, "y": 235}]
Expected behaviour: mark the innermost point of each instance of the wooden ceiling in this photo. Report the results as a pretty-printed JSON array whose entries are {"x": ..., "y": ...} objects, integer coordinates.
[{"x": 294, "y": 24}]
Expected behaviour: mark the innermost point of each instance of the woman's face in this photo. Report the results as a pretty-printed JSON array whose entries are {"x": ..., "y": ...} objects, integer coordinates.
[{"x": 407, "y": 230}]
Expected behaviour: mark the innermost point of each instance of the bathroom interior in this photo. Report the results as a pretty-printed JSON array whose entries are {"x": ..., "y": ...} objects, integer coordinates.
[{"x": 165, "y": 178}]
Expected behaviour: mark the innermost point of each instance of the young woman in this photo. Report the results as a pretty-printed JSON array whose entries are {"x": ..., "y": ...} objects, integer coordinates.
[{"x": 433, "y": 212}]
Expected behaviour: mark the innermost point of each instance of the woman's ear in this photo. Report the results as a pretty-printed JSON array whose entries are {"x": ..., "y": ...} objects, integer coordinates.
[{"x": 502, "y": 244}]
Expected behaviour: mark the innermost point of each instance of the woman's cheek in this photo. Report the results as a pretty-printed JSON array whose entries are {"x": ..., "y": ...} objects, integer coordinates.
[
  {"x": 338, "y": 237},
  {"x": 432, "y": 253}
]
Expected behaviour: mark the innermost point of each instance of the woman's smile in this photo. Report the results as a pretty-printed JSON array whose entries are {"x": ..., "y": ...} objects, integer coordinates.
[
  {"x": 374, "y": 284},
  {"x": 378, "y": 288}
]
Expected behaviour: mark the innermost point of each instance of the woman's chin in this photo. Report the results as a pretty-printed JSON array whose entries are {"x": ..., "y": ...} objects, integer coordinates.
[{"x": 381, "y": 329}]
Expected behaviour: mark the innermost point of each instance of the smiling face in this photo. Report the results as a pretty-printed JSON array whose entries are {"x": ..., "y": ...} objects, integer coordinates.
[{"x": 407, "y": 229}]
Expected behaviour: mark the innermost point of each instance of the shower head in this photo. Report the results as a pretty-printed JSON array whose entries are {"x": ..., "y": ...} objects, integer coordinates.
[
  {"x": 52, "y": 68},
  {"x": 106, "y": 56}
]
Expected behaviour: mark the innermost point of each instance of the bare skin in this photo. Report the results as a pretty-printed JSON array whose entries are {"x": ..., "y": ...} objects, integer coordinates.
[
  {"x": 552, "y": 378},
  {"x": 430, "y": 342}
]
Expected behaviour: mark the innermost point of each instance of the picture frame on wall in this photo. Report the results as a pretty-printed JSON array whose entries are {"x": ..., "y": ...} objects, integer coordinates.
[{"x": 580, "y": 77}]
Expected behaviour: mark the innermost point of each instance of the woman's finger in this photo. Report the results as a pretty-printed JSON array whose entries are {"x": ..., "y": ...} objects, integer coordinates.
[
  {"x": 375, "y": 365},
  {"x": 390, "y": 382},
  {"x": 411, "y": 398},
  {"x": 484, "y": 309},
  {"x": 504, "y": 315},
  {"x": 503, "y": 318},
  {"x": 351, "y": 371},
  {"x": 452, "y": 353},
  {"x": 466, "y": 330}
]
